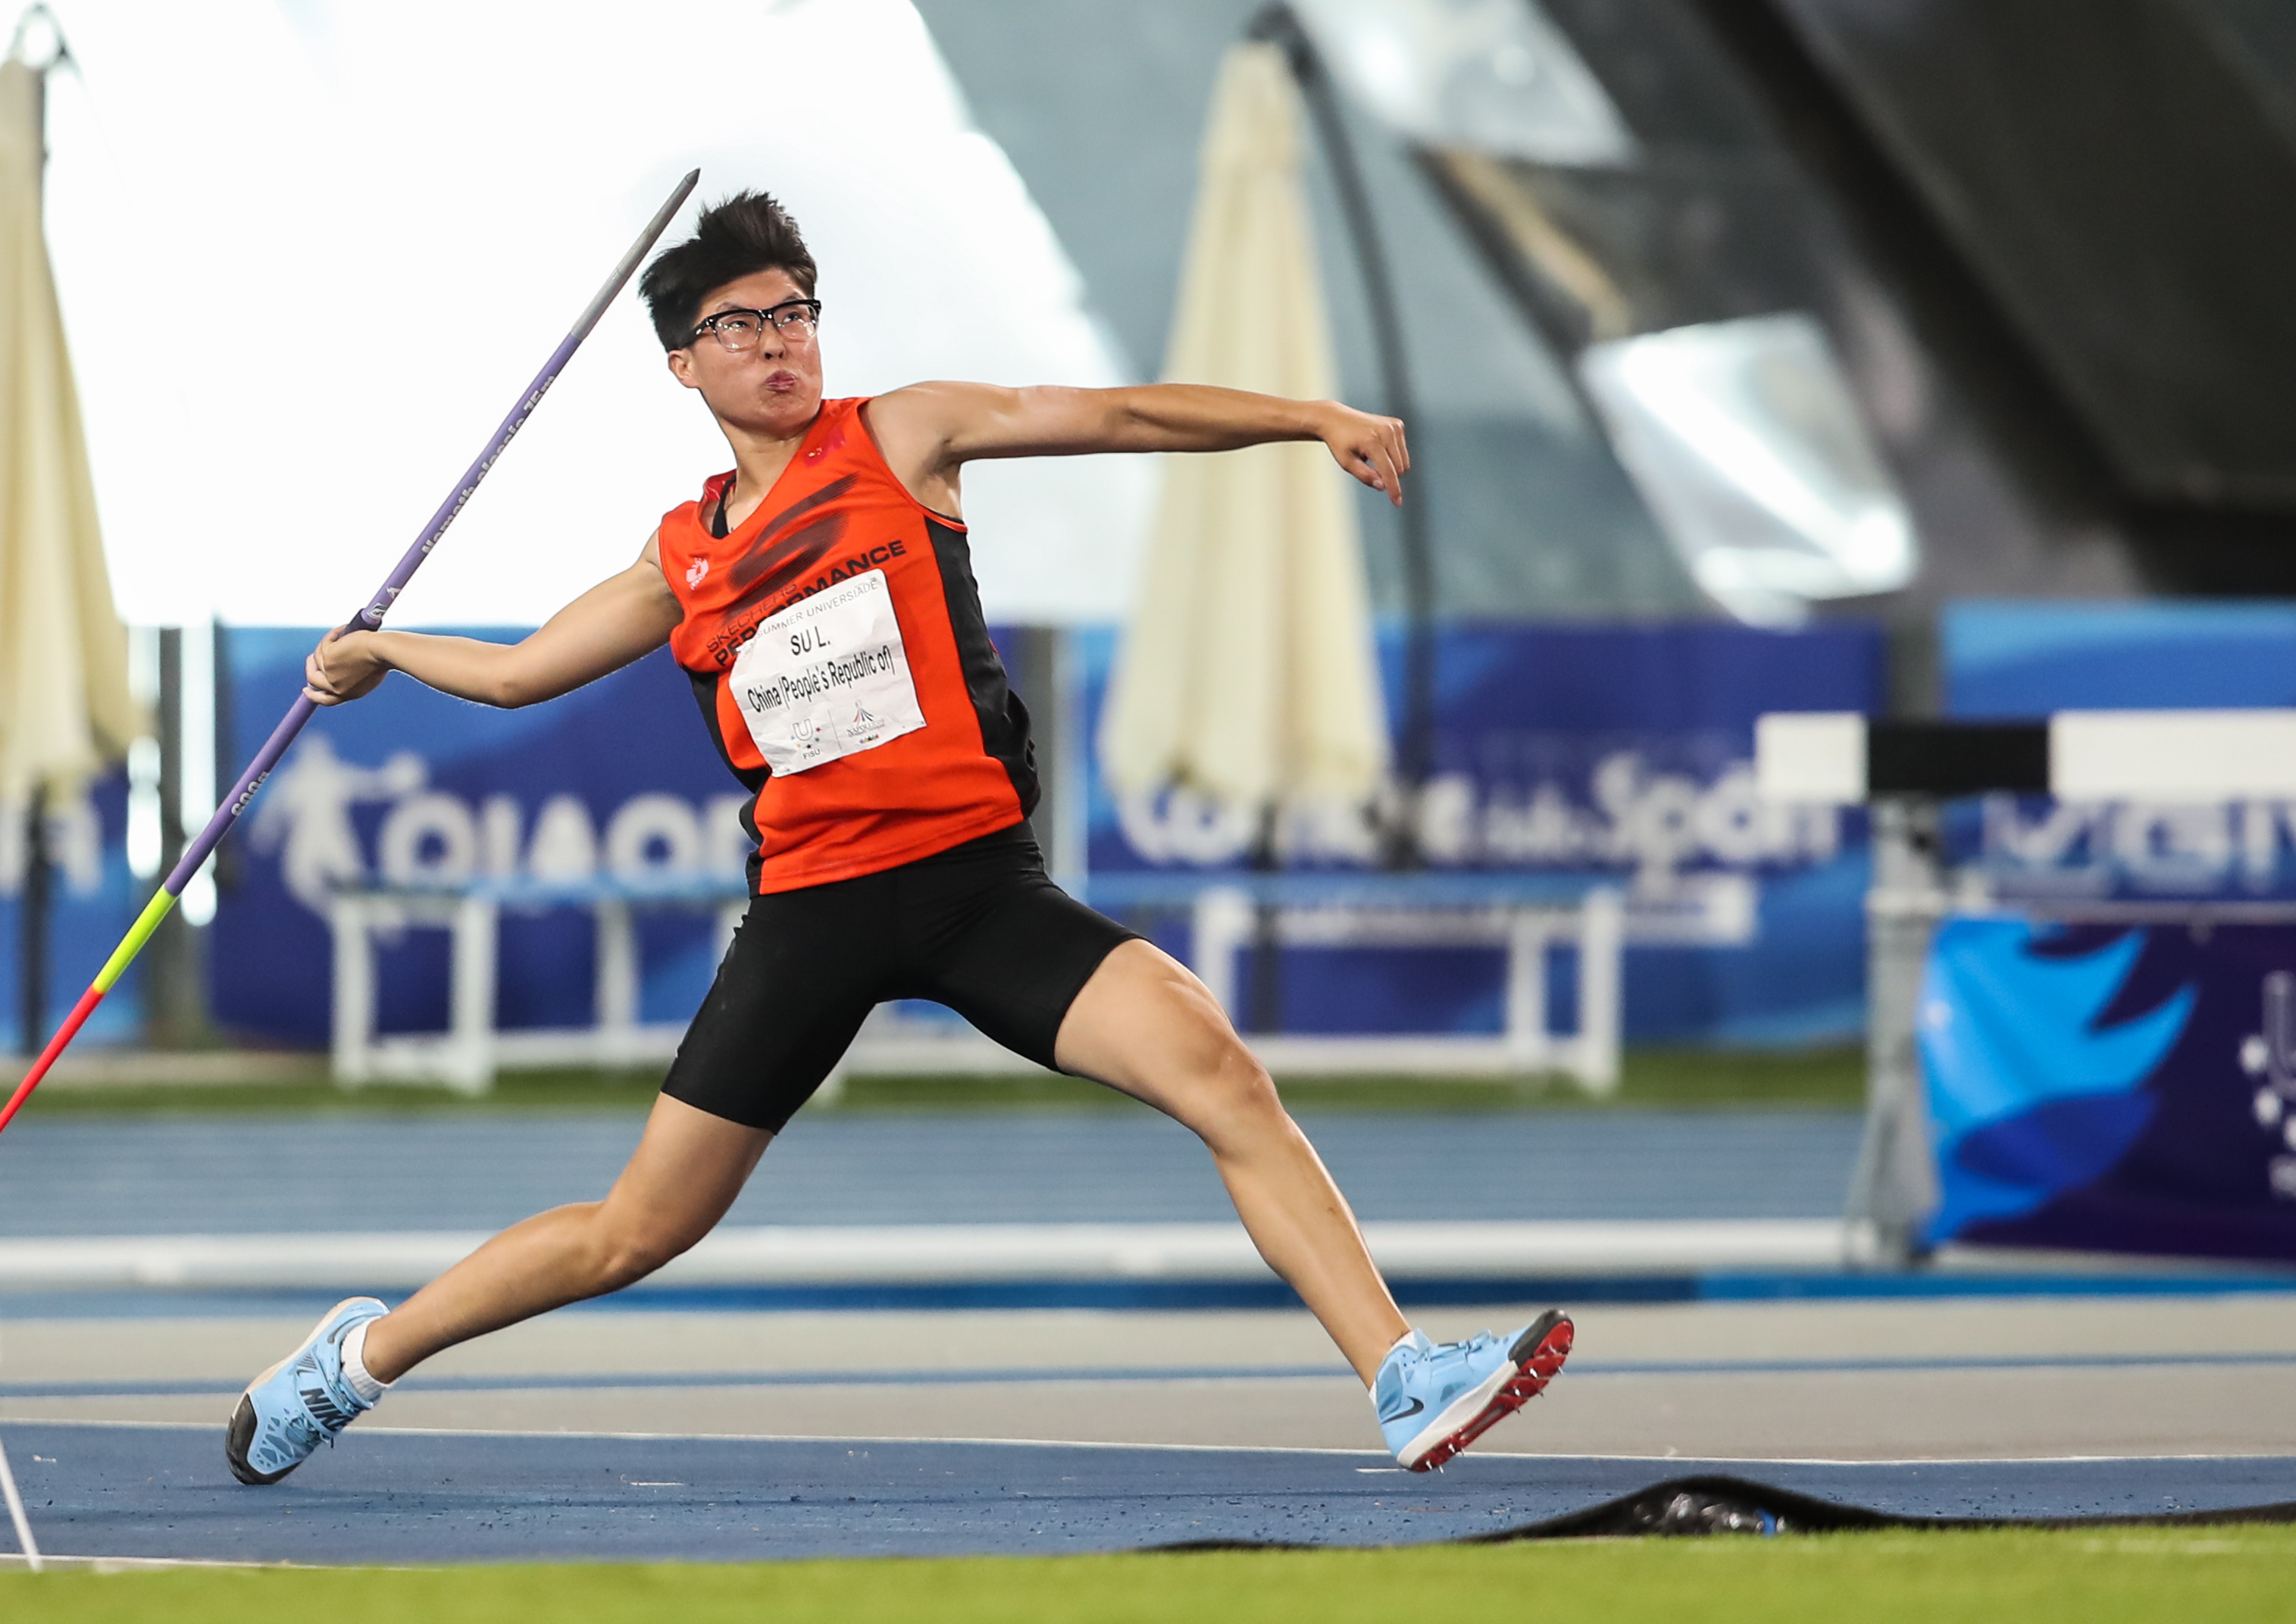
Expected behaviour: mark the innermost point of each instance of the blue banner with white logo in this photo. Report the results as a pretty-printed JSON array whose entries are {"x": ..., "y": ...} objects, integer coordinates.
[{"x": 2129, "y": 1088}]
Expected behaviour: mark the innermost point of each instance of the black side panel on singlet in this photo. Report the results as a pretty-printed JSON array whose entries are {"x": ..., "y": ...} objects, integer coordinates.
[
  {"x": 705, "y": 691},
  {"x": 705, "y": 694},
  {"x": 753, "y": 778},
  {"x": 1003, "y": 718}
]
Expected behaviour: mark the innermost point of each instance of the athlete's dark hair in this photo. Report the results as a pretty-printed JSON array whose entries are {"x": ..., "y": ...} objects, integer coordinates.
[{"x": 745, "y": 234}]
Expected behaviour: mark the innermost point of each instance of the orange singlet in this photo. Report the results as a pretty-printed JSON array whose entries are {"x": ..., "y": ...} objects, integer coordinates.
[{"x": 835, "y": 643}]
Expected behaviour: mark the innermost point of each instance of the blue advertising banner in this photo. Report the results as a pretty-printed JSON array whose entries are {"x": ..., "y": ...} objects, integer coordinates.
[
  {"x": 2028, "y": 659},
  {"x": 2125, "y": 1088},
  {"x": 1624, "y": 752}
]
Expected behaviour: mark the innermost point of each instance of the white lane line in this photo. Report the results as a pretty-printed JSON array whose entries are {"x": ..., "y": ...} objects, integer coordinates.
[
  {"x": 1471, "y": 1460},
  {"x": 942, "y": 1253}
]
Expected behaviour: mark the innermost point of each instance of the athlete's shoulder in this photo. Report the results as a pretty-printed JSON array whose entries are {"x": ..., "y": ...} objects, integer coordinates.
[
  {"x": 841, "y": 441},
  {"x": 938, "y": 402},
  {"x": 681, "y": 530},
  {"x": 915, "y": 426}
]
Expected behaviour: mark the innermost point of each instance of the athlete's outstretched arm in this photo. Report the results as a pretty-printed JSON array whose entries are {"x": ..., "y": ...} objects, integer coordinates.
[
  {"x": 938, "y": 427},
  {"x": 621, "y": 619}
]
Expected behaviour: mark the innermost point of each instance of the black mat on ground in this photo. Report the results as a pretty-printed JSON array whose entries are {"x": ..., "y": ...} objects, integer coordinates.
[
  {"x": 1725, "y": 1505},
  {"x": 1720, "y": 1504}
]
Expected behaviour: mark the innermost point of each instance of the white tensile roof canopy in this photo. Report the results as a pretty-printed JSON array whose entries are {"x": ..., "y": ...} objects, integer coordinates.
[{"x": 310, "y": 252}]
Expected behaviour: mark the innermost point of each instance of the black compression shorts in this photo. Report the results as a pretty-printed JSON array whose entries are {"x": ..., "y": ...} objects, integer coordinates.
[{"x": 978, "y": 928}]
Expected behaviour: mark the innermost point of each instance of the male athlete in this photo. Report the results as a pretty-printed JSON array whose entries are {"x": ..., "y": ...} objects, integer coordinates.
[{"x": 820, "y": 598}]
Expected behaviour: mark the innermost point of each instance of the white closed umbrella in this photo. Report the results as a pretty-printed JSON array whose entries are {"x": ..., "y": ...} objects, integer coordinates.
[
  {"x": 64, "y": 700},
  {"x": 1247, "y": 673},
  {"x": 64, "y": 703}
]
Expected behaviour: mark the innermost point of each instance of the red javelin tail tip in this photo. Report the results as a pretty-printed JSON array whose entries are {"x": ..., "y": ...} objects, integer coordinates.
[{"x": 57, "y": 1045}]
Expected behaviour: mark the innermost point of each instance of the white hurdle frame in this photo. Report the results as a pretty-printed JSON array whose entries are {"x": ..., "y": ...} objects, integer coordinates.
[
  {"x": 467, "y": 1056},
  {"x": 1226, "y": 924}
]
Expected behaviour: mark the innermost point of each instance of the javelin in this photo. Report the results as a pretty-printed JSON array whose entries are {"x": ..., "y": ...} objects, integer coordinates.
[{"x": 367, "y": 619}]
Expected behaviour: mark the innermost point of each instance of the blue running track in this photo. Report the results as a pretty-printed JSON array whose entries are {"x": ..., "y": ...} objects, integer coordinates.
[{"x": 408, "y": 1497}]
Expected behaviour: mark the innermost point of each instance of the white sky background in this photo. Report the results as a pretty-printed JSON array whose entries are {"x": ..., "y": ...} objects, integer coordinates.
[{"x": 310, "y": 250}]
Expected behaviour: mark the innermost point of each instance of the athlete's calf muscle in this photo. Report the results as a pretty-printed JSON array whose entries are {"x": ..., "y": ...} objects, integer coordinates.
[{"x": 687, "y": 1169}]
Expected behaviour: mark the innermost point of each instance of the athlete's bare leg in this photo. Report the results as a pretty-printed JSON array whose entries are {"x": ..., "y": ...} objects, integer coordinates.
[
  {"x": 1146, "y": 1025},
  {"x": 684, "y": 1174},
  {"x": 1141, "y": 1024}
]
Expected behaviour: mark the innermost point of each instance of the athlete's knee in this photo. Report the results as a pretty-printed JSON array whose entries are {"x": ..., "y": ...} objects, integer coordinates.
[
  {"x": 624, "y": 1251},
  {"x": 1229, "y": 1090}
]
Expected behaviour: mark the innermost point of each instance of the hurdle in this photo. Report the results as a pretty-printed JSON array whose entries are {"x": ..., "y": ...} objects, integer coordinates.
[
  {"x": 1904, "y": 771},
  {"x": 467, "y": 1056}
]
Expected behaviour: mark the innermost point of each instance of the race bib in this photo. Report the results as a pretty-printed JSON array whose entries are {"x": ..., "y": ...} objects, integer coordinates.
[{"x": 827, "y": 677}]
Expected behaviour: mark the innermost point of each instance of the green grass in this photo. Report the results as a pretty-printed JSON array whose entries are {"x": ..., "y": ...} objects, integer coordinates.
[
  {"x": 2221, "y": 1575},
  {"x": 1653, "y": 1078}
]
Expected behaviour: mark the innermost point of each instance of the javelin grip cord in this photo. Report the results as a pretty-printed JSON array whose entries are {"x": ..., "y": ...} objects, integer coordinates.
[{"x": 367, "y": 619}]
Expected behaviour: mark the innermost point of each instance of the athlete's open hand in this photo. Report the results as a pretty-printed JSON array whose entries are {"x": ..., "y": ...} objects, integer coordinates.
[
  {"x": 1370, "y": 449},
  {"x": 342, "y": 667}
]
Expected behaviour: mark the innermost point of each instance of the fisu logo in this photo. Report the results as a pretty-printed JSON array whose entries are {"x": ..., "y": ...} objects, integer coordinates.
[{"x": 694, "y": 571}]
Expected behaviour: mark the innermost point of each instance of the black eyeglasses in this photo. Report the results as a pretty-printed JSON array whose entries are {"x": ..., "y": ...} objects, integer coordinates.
[{"x": 738, "y": 331}]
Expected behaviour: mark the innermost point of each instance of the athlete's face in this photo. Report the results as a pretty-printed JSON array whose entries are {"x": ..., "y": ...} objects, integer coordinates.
[{"x": 771, "y": 390}]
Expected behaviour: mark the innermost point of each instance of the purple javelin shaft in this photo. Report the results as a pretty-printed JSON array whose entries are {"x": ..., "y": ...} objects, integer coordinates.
[{"x": 378, "y": 606}]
